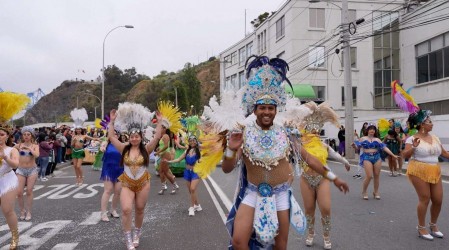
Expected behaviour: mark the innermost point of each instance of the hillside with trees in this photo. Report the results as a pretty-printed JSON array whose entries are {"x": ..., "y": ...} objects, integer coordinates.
[{"x": 193, "y": 86}]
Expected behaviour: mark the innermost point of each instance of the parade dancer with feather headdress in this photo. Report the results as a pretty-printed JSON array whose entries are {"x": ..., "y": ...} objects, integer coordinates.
[
  {"x": 79, "y": 116},
  {"x": 135, "y": 159},
  {"x": 264, "y": 206},
  {"x": 10, "y": 104}
]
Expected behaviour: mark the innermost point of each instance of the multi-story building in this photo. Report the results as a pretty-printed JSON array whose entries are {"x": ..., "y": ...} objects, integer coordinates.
[
  {"x": 424, "y": 40},
  {"x": 306, "y": 35}
]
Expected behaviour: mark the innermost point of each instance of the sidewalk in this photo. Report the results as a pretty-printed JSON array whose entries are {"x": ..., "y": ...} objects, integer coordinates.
[{"x": 444, "y": 166}]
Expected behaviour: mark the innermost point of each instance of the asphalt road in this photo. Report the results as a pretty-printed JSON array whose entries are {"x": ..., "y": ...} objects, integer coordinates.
[{"x": 67, "y": 217}]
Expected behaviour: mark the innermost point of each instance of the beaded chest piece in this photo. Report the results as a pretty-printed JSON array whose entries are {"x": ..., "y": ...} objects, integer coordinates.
[
  {"x": 133, "y": 164},
  {"x": 265, "y": 147}
]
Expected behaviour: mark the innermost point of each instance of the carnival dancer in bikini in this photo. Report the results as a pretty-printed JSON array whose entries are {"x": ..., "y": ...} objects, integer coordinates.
[
  {"x": 371, "y": 159},
  {"x": 10, "y": 104},
  {"x": 27, "y": 171},
  {"x": 78, "y": 140},
  {"x": 135, "y": 179},
  {"x": 315, "y": 188},
  {"x": 192, "y": 155}
]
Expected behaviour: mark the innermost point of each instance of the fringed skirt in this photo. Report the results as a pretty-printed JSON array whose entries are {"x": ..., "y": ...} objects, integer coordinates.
[
  {"x": 134, "y": 185},
  {"x": 8, "y": 182},
  {"x": 427, "y": 172},
  {"x": 111, "y": 172}
]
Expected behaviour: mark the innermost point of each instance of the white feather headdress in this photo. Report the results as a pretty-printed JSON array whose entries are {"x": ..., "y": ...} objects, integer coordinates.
[
  {"x": 79, "y": 116},
  {"x": 227, "y": 113},
  {"x": 319, "y": 115},
  {"x": 134, "y": 117}
]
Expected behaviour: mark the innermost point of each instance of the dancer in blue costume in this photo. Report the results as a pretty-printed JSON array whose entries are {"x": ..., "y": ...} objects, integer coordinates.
[
  {"x": 110, "y": 171},
  {"x": 371, "y": 159},
  {"x": 191, "y": 155},
  {"x": 265, "y": 205}
]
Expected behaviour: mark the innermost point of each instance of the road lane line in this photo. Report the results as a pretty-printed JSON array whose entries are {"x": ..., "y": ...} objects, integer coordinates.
[
  {"x": 65, "y": 246},
  {"x": 216, "y": 203},
  {"x": 93, "y": 219},
  {"x": 224, "y": 198}
]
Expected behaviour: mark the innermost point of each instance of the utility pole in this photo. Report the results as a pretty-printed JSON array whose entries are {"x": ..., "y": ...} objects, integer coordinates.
[
  {"x": 176, "y": 96},
  {"x": 349, "y": 112}
]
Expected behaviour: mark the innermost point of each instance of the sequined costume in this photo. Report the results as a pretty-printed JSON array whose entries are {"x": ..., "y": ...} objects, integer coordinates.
[
  {"x": 135, "y": 175},
  {"x": 424, "y": 161},
  {"x": 111, "y": 169},
  {"x": 8, "y": 179}
]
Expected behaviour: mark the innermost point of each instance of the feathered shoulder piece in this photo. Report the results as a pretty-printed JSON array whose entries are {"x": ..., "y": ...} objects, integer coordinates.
[
  {"x": 171, "y": 116},
  {"x": 79, "y": 116},
  {"x": 383, "y": 126},
  {"x": 213, "y": 145},
  {"x": 133, "y": 116},
  {"x": 320, "y": 114},
  {"x": 226, "y": 113},
  {"x": 11, "y": 104}
]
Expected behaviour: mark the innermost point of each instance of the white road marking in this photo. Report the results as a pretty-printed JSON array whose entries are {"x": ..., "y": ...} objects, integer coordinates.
[
  {"x": 93, "y": 219},
  {"x": 110, "y": 198},
  {"x": 224, "y": 198},
  {"x": 56, "y": 188},
  {"x": 22, "y": 226},
  {"x": 65, "y": 246},
  {"x": 59, "y": 194},
  {"x": 92, "y": 193},
  {"x": 65, "y": 176},
  {"x": 216, "y": 203},
  {"x": 26, "y": 238}
]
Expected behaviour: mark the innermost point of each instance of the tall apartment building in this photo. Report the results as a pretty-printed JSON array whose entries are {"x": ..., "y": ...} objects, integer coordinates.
[{"x": 306, "y": 35}]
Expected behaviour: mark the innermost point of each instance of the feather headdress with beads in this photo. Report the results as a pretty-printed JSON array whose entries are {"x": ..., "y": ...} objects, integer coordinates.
[
  {"x": 79, "y": 116},
  {"x": 11, "y": 104},
  {"x": 225, "y": 113},
  {"x": 171, "y": 116},
  {"x": 133, "y": 116},
  {"x": 320, "y": 114}
]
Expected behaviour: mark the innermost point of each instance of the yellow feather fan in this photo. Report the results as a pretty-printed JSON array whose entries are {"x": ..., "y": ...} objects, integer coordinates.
[
  {"x": 11, "y": 104},
  {"x": 313, "y": 145},
  {"x": 383, "y": 126},
  {"x": 171, "y": 116},
  {"x": 212, "y": 149},
  {"x": 97, "y": 123}
]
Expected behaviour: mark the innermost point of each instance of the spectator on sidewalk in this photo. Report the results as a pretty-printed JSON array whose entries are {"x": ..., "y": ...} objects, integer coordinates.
[
  {"x": 45, "y": 146},
  {"x": 341, "y": 138}
]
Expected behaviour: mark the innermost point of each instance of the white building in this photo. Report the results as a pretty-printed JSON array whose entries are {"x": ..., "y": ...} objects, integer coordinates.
[
  {"x": 306, "y": 36},
  {"x": 425, "y": 60}
]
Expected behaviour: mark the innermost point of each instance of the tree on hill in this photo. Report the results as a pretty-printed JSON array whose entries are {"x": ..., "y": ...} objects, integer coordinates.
[{"x": 192, "y": 86}]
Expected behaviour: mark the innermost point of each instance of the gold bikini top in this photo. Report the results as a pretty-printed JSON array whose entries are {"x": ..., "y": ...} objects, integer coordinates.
[{"x": 133, "y": 164}]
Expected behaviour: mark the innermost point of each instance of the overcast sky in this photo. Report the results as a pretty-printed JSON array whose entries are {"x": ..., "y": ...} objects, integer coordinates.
[{"x": 43, "y": 43}]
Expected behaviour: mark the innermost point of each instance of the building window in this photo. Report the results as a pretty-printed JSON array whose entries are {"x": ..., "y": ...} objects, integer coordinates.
[
  {"x": 227, "y": 61},
  {"x": 386, "y": 57},
  {"x": 432, "y": 59},
  {"x": 262, "y": 42},
  {"x": 280, "y": 27},
  {"x": 234, "y": 81},
  {"x": 354, "y": 96},
  {"x": 249, "y": 50},
  {"x": 320, "y": 93},
  {"x": 242, "y": 80},
  {"x": 316, "y": 57},
  {"x": 316, "y": 18},
  {"x": 228, "y": 83},
  {"x": 234, "y": 58},
  {"x": 438, "y": 107},
  {"x": 353, "y": 58},
  {"x": 242, "y": 56}
]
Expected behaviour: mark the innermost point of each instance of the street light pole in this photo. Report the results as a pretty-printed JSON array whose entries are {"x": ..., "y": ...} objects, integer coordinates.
[
  {"x": 102, "y": 82},
  {"x": 176, "y": 96},
  {"x": 349, "y": 112}
]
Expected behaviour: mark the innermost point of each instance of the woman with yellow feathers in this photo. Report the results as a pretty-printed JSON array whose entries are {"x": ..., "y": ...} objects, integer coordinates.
[
  {"x": 10, "y": 104},
  {"x": 315, "y": 188}
]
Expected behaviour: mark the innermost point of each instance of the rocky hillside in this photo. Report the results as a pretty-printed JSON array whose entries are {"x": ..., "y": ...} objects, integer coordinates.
[{"x": 56, "y": 106}]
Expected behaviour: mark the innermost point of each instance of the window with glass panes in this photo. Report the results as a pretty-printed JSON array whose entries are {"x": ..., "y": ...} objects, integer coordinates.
[
  {"x": 432, "y": 59},
  {"x": 385, "y": 56}
]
